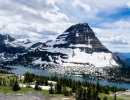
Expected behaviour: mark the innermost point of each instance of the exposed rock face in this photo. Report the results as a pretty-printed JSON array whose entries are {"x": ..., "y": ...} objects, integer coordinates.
[
  {"x": 81, "y": 36},
  {"x": 6, "y": 37}
]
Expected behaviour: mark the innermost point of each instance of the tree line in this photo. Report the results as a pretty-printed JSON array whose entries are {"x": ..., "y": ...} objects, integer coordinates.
[
  {"x": 66, "y": 86},
  {"x": 82, "y": 90}
]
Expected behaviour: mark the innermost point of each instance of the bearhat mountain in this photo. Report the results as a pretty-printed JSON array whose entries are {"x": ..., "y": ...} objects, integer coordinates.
[
  {"x": 81, "y": 36},
  {"x": 75, "y": 51}
]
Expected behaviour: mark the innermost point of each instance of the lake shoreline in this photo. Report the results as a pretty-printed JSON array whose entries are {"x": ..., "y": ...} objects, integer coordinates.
[{"x": 20, "y": 70}]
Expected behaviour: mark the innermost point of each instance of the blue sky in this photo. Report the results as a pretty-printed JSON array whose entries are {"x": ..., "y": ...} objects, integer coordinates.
[{"x": 46, "y": 19}]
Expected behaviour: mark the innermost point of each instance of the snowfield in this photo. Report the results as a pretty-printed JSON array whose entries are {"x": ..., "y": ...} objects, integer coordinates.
[
  {"x": 42, "y": 87},
  {"x": 77, "y": 62},
  {"x": 97, "y": 59}
]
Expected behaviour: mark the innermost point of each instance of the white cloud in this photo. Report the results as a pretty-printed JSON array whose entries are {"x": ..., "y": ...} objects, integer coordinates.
[
  {"x": 78, "y": 3},
  {"x": 46, "y": 19},
  {"x": 30, "y": 19},
  {"x": 115, "y": 35},
  {"x": 128, "y": 4}
]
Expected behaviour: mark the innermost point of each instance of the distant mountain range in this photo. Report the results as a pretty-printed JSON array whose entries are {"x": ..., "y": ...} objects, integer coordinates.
[
  {"x": 10, "y": 48},
  {"x": 124, "y": 58},
  {"x": 127, "y": 55}
]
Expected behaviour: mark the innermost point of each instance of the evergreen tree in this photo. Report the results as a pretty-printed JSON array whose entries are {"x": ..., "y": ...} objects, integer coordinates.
[
  {"x": 84, "y": 94},
  {"x": 106, "y": 91},
  {"x": 41, "y": 81},
  {"x": 73, "y": 88},
  {"x": 98, "y": 86},
  {"x": 65, "y": 91},
  {"x": 0, "y": 81},
  {"x": 4, "y": 81},
  {"x": 37, "y": 86},
  {"x": 51, "y": 91},
  {"x": 28, "y": 77},
  {"x": 114, "y": 96},
  {"x": 94, "y": 94},
  {"x": 114, "y": 89},
  {"x": 58, "y": 88},
  {"x": 11, "y": 82},
  {"x": 79, "y": 94},
  {"x": 71, "y": 93},
  {"x": 105, "y": 98},
  {"x": 88, "y": 93},
  {"x": 15, "y": 86},
  {"x": 96, "y": 91},
  {"x": 46, "y": 82}
]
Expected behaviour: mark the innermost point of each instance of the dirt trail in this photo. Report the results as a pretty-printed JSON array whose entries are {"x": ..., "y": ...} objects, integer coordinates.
[{"x": 31, "y": 96}]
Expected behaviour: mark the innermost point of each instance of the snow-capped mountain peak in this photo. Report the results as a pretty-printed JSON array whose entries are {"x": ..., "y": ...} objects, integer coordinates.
[
  {"x": 77, "y": 51},
  {"x": 82, "y": 36}
]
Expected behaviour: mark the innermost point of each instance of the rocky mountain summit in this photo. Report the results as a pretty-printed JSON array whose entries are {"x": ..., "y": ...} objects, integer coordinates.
[{"x": 80, "y": 36}]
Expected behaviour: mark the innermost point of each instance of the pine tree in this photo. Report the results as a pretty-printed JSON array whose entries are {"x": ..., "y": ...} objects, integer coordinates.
[
  {"x": 88, "y": 94},
  {"x": 84, "y": 94},
  {"x": 0, "y": 81},
  {"x": 73, "y": 88},
  {"x": 15, "y": 86},
  {"x": 46, "y": 82},
  {"x": 94, "y": 94},
  {"x": 37, "y": 86},
  {"x": 58, "y": 88},
  {"x": 51, "y": 91},
  {"x": 28, "y": 77},
  {"x": 79, "y": 94},
  {"x": 106, "y": 91},
  {"x": 105, "y": 98},
  {"x": 11, "y": 82},
  {"x": 4, "y": 82},
  {"x": 114, "y": 96},
  {"x": 114, "y": 89},
  {"x": 98, "y": 86},
  {"x": 65, "y": 91}
]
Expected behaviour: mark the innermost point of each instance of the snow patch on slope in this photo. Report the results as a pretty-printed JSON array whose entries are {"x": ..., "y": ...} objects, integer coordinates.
[
  {"x": 20, "y": 43},
  {"x": 80, "y": 45},
  {"x": 97, "y": 59}
]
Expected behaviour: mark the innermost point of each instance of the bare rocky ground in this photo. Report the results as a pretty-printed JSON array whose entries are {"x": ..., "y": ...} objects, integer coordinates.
[
  {"x": 125, "y": 95},
  {"x": 31, "y": 96}
]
